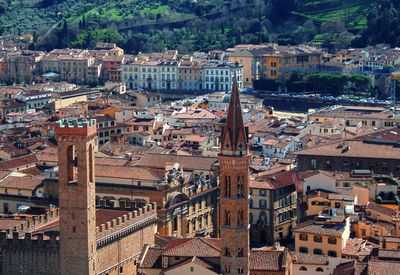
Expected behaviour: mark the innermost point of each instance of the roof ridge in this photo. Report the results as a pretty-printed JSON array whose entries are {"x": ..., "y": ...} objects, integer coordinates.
[{"x": 212, "y": 245}]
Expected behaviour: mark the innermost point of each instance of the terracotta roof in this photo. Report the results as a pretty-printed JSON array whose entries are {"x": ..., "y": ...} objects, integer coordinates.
[
  {"x": 318, "y": 194},
  {"x": 383, "y": 267},
  {"x": 18, "y": 162},
  {"x": 389, "y": 254},
  {"x": 393, "y": 239},
  {"x": 276, "y": 180},
  {"x": 131, "y": 172},
  {"x": 199, "y": 247},
  {"x": 260, "y": 184},
  {"x": 152, "y": 258},
  {"x": 196, "y": 138},
  {"x": 345, "y": 269},
  {"x": 319, "y": 229},
  {"x": 197, "y": 261},
  {"x": 358, "y": 248},
  {"x": 268, "y": 260},
  {"x": 34, "y": 171},
  {"x": 102, "y": 216},
  {"x": 381, "y": 209},
  {"x": 357, "y": 149},
  {"x": 140, "y": 121},
  {"x": 27, "y": 182},
  {"x": 195, "y": 114},
  {"x": 106, "y": 215},
  {"x": 110, "y": 161},
  {"x": 6, "y": 223},
  {"x": 303, "y": 258},
  {"x": 188, "y": 163},
  {"x": 4, "y": 173}
]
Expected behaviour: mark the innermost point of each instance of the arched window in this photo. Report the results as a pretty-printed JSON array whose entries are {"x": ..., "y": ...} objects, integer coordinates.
[
  {"x": 240, "y": 270},
  {"x": 227, "y": 186},
  {"x": 91, "y": 166},
  {"x": 308, "y": 187},
  {"x": 240, "y": 252},
  {"x": 263, "y": 204},
  {"x": 228, "y": 269},
  {"x": 227, "y": 218},
  {"x": 227, "y": 252},
  {"x": 263, "y": 217},
  {"x": 240, "y": 218},
  {"x": 303, "y": 250},
  {"x": 319, "y": 269},
  {"x": 72, "y": 163},
  {"x": 240, "y": 187},
  {"x": 303, "y": 268}
]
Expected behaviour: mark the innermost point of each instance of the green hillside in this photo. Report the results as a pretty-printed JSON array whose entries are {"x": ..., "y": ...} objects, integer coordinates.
[{"x": 147, "y": 25}]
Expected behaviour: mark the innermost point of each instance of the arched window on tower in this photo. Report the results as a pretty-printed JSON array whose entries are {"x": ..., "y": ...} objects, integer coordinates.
[
  {"x": 91, "y": 166},
  {"x": 240, "y": 193},
  {"x": 227, "y": 218},
  {"x": 240, "y": 218},
  {"x": 227, "y": 186},
  {"x": 240, "y": 252},
  {"x": 227, "y": 252},
  {"x": 72, "y": 163}
]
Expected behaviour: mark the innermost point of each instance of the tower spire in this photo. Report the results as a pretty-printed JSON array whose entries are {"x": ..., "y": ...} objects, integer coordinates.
[
  {"x": 234, "y": 163},
  {"x": 234, "y": 135}
]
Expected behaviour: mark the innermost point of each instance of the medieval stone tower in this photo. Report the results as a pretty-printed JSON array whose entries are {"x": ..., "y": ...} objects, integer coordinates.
[
  {"x": 77, "y": 196},
  {"x": 234, "y": 161}
]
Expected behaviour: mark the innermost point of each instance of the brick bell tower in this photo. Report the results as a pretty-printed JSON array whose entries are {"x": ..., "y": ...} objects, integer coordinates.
[
  {"x": 77, "y": 197},
  {"x": 234, "y": 161}
]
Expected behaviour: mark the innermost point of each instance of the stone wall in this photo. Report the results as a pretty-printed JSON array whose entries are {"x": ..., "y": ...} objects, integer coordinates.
[
  {"x": 29, "y": 256},
  {"x": 120, "y": 241}
]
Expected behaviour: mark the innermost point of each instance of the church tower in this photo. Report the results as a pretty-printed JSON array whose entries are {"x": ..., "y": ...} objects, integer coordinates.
[
  {"x": 234, "y": 161},
  {"x": 76, "y": 141}
]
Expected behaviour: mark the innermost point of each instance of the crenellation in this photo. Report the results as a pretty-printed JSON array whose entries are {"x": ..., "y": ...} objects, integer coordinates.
[
  {"x": 31, "y": 223},
  {"x": 132, "y": 218},
  {"x": 75, "y": 130},
  {"x": 28, "y": 240}
]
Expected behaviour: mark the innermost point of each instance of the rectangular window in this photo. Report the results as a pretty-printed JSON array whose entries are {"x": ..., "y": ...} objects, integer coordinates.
[
  {"x": 313, "y": 164},
  {"x": 363, "y": 232},
  {"x": 332, "y": 240},
  {"x": 303, "y": 237},
  {"x": 317, "y": 239}
]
